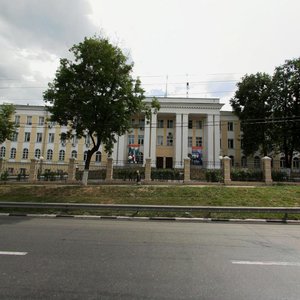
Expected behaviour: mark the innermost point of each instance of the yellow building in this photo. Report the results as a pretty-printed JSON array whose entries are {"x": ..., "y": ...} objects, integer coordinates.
[{"x": 183, "y": 127}]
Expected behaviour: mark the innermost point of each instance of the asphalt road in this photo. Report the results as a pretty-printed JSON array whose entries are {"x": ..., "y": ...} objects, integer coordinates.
[{"x": 101, "y": 259}]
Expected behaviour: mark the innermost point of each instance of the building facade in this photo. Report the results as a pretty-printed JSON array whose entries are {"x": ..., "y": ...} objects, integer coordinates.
[{"x": 183, "y": 127}]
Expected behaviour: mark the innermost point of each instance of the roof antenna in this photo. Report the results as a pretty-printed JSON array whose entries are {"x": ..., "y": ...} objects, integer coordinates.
[
  {"x": 187, "y": 85},
  {"x": 166, "y": 92}
]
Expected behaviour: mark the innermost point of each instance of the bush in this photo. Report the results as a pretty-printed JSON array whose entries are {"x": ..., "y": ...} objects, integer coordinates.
[
  {"x": 279, "y": 176},
  {"x": 166, "y": 174},
  {"x": 246, "y": 175},
  {"x": 214, "y": 175}
]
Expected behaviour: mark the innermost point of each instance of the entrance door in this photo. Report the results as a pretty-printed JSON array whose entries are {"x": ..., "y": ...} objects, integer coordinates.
[
  {"x": 169, "y": 162},
  {"x": 159, "y": 162}
]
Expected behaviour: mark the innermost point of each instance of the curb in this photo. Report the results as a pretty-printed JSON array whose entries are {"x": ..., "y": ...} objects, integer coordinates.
[{"x": 168, "y": 219}]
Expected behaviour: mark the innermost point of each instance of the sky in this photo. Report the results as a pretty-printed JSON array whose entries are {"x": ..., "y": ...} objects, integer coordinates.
[{"x": 211, "y": 44}]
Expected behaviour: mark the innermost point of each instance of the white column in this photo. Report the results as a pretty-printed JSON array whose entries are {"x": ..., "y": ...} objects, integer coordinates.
[
  {"x": 178, "y": 141},
  {"x": 147, "y": 140},
  {"x": 212, "y": 142},
  {"x": 209, "y": 142},
  {"x": 185, "y": 131},
  {"x": 153, "y": 127},
  {"x": 217, "y": 150},
  {"x": 118, "y": 154}
]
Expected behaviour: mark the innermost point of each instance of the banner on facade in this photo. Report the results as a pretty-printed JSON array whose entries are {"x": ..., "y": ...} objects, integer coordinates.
[
  {"x": 133, "y": 153},
  {"x": 197, "y": 155}
]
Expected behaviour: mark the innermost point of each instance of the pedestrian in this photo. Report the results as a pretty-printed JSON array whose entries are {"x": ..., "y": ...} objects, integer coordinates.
[{"x": 138, "y": 177}]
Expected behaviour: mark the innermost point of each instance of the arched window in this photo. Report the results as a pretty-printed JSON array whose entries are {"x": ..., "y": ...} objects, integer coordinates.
[
  {"x": 256, "y": 162},
  {"x": 74, "y": 154},
  {"x": 37, "y": 153},
  {"x": 282, "y": 162},
  {"x": 13, "y": 152},
  {"x": 85, "y": 155},
  {"x": 232, "y": 160},
  {"x": 25, "y": 153},
  {"x": 98, "y": 156},
  {"x": 244, "y": 162},
  {"x": 2, "y": 152},
  {"x": 296, "y": 163},
  {"x": 49, "y": 154},
  {"x": 61, "y": 155}
]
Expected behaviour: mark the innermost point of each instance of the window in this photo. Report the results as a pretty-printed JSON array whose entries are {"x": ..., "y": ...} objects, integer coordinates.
[
  {"x": 13, "y": 152},
  {"x": 85, "y": 155},
  {"x": 141, "y": 123},
  {"x": 256, "y": 162},
  {"x": 282, "y": 162},
  {"x": 160, "y": 140},
  {"x": 87, "y": 140},
  {"x": 190, "y": 141},
  {"x": 199, "y": 124},
  {"x": 160, "y": 123},
  {"x": 25, "y": 153},
  {"x": 98, "y": 156},
  {"x": 140, "y": 158},
  {"x": 296, "y": 163},
  {"x": 244, "y": 162},
  {"x": 190, "y": 124},
  {"x": 61, "y": 155},
  {"x": 74, "y": 154},
  {"x": 141, "y": 140},
  {"x": 2, "y": 152},
  {"x": 37, "y": 153},
  {"x": 39, "y": 137},
  {"x": 230, "y": 144},
  {"x": 51, "y": 138},
  {"x": 27, "y": 137},
  {"x": 170, "y": 124},
  {"x": 170, "y": 139},
  {"x": 74, "y": 140},
  {"x": 29, "y": 120},
  {"x": 230, "y": 126},
  {"x": 232, "y": 160},
  {"x": 14, "y": 137},
  {"x": 41, "y": 121},
  {"x": 130, "y": 139},
  {"x": 49, "y": 154},
  {"x": 198, "y": 141},
  {"x": 17, "y": 120}
]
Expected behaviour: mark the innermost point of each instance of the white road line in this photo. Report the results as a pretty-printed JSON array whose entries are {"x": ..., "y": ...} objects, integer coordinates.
[
  {"x": 12, "y": 253},
  {"x": 266, "y": 263}
]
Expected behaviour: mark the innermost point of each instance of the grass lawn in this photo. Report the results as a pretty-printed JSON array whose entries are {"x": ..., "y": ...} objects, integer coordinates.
[{"x": 159, "y": 195}]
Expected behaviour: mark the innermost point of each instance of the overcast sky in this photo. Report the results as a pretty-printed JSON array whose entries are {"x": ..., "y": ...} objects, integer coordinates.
[{"x": 209, "y": 43}]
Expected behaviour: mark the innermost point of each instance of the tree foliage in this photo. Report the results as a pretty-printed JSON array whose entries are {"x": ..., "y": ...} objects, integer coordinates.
[
  {"x": 269, "y": 110},
  {"x": 252, "y": 104},
  {"x": 95, "y": 94},
  {"x": 7, "y": 127},
  {"x": 286, "y": 108}
]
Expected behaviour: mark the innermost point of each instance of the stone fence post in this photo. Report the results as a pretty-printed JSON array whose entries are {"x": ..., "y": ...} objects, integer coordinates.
[
  {"x": 227, "y": 169},
  {"x": 267, "y": 170},
  {"x": 71, "y": 171},
  {"x": 187, "y": 170},
  {"x": 109, "y": 170},
  {"x": 148, "y": 170},
  {"x": 33, "y": 170},
  {"x": 1, "y": 165}
]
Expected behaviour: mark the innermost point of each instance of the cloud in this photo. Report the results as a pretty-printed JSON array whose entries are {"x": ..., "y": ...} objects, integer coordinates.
[{"x": 34, "y": 34}]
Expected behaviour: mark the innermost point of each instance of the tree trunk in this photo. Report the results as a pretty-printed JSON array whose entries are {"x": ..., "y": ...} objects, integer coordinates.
[{"x": 87, "y": 164}]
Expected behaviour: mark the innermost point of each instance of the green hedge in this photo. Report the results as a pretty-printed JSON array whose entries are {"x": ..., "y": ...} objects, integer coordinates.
[
  {"x": 246, "y": 175},
  {"x": 167, "y": 174}
]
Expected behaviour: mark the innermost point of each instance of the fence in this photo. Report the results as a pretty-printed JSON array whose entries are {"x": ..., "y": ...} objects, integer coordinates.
[{"x": 110, "y": 171}]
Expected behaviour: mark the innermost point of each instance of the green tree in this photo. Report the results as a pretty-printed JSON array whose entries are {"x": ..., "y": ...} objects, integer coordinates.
[
  {"x": 95, "y": 94},
  {"x": 7, "y": 127},
  {"x": 252, "y": 104},
  {"x": 286, "y": 108}
]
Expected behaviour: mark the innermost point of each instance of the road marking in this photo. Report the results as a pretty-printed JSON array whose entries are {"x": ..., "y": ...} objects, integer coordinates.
[
  {"x": 266, "y": 263},
  {"x": 12, "y": 253}
]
